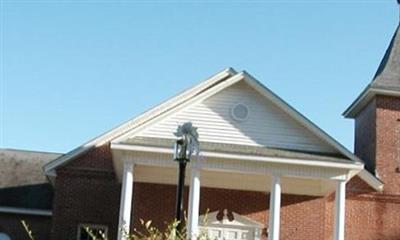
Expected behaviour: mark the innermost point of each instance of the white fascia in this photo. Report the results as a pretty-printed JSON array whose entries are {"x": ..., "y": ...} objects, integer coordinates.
[
  {"x": 26, "y": 211},
  {"x": 373, "y": 181},
  {"x": 292, "y": 161}
]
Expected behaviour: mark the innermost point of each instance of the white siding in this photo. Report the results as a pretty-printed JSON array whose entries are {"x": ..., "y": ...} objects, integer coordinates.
[{"x": 266, "y": 125}]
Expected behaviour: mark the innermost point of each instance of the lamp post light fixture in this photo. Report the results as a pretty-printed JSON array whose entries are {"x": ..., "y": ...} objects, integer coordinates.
[{"x": 186, "y": 144}]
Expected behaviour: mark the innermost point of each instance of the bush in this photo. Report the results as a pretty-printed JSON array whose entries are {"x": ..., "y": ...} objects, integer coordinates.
[{"x": 149, "y": 232}]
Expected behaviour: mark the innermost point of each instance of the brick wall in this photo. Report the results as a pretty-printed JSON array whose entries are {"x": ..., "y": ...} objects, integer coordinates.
[
  {"x": 388, "y": 142},
  {"x": 11, "y": 225},
  {"x": 86, "y": 191},
  {"x": 377, "y": 140},
  {"x": 371, "y": 215},
  {"x": 302, "y": 217}
]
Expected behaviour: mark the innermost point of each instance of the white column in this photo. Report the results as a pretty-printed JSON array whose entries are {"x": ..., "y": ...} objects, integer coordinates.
[
  {"x": 125, "y": 210},
  {"x": 340, "y": 200},
  {"x": 274, "y": 208},
  {"x": 194, "y": 203}
]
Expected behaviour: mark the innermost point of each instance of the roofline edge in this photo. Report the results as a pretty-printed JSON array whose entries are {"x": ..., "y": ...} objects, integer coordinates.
[
  {"x": 365, "y": 97},
  {"x": 372, "y": 180},
  {"x": 52, "y": 165},
  {"x": 26, "y": 211}
]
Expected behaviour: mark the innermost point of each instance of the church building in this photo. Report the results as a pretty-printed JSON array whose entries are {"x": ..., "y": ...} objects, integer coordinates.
[{"x": 264, "y": 171}]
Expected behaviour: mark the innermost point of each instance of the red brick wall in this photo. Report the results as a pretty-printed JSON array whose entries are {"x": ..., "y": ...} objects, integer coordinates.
[
  {"x": 371, "y": 215},
  {"x": 86, "y": 191},
  {"x": 377, "y": 140},
  {"x": 388, "y": 143},
  {"x": 11, "y": 225},
  {"x": 302, "y": 217}
]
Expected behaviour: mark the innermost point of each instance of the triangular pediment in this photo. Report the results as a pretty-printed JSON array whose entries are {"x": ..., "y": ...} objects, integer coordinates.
[
  {"x": 271, "y": 128},
  {"x": 225, "y": 217},
  {"x": 240, "y": 115}
]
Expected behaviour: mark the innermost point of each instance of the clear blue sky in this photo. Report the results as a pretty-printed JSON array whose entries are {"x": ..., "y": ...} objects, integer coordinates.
[{"x": 71, "y": 71}]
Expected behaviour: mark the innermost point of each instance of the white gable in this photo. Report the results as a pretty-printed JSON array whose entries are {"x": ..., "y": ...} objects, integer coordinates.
[{"x": 266, "y": 124}]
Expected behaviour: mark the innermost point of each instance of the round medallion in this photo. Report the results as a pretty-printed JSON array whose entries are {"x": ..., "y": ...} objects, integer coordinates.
[{"x": 240, "y": 112}]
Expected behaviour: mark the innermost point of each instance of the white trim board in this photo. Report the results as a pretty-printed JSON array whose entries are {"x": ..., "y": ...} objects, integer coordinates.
[
  {"x": 292, "y": 161},
  {"x": 27, "y": 211}
]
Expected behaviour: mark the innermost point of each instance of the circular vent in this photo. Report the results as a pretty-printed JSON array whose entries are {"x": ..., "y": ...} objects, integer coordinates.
[{"x": 240, "y": 112}]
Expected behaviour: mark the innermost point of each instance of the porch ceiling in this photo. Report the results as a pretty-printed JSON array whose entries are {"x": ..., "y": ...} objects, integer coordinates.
[{"x": 235, "y": 181}]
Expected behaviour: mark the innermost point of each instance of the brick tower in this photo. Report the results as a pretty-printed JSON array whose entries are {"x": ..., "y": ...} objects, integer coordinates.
[{"x": 377, "y": 120}]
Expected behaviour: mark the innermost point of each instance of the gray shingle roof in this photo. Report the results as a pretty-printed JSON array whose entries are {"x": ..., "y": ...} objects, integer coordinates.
[
  {"x": 21, "y": 167},
  {"x": 388, "y": 74}
]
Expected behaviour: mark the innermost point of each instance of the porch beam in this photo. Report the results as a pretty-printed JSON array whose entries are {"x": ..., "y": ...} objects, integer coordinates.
[
  {"x": 344, "y": 164},
  {"x": 340, "y": 212},
  {"x": 274, "y": 208},
  {"x": 194, "y": 203},
  {"x": 125, "y": 211},
  {"x": 311, "y": 172}
]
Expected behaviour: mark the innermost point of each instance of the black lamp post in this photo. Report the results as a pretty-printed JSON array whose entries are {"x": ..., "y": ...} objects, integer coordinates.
[{"x": 184, "y": 147}]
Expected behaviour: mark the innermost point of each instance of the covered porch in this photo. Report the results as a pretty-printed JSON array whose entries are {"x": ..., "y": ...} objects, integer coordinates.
[{"x": 235, "y": 167}]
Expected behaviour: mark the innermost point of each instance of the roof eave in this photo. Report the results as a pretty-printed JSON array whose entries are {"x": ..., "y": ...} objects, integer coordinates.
[
  {"x": 365, "y": 97},
  {"x": 357, "y": 104},
  {"x": 372, "y": 180},
  {"x": 351, "y": 165},
  {"x": 301, "y": 118}
]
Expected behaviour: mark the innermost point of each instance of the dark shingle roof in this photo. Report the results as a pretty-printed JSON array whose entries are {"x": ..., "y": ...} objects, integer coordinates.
[{"x": 388, "y": 74}]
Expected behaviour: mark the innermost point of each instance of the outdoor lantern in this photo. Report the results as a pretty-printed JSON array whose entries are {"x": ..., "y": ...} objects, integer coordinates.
[
  {"x": 181, "y": 153},
  {"x": 187, "y": 142},
  {"x": 185, "y": 145}
]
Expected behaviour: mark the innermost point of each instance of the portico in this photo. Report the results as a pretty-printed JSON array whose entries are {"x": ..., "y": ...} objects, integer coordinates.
[
  {"x": 250, "y": 140},
  {"x": 233, "y": 167},
  {"x": 276, "y": 166}
]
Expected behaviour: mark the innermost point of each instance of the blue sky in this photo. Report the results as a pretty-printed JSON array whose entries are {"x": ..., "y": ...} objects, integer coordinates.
[{"x": 72, "y": 70}]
